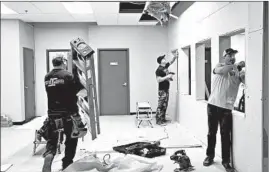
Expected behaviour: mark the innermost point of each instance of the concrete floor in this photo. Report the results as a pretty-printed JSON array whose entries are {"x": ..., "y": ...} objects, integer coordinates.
[{"x": 17, "y": 144}]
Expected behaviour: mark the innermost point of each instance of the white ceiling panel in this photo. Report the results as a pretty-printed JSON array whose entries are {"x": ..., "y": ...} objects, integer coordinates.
[
  {"x": 50, "y": 7},
  {"x": 47, "y": 18},
  {"x": 106, "y": 19},
  {"x": 20, "y": 7},
  {"x": 84, "y": 17},
  {"x": 129, "y": 19},
  {"x": 105, "y": 7},
  {"x": 147, "y": 23}
]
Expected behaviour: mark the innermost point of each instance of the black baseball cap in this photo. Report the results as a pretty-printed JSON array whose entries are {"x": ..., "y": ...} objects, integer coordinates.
[
  {"x": 58, "y": 60},
  {"x": 229, "y": 51},
  {"x": 160, "y": 58}
]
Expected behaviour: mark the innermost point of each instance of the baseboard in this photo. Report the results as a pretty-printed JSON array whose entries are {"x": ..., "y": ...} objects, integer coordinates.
[
  {"x": 134, "y": 113},
  {"x": 25, "y": 121},
  {"x": 19, "y": 123}
]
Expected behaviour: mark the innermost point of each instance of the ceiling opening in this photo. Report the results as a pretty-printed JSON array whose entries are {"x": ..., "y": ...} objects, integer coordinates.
[
  {"x": 132, "y": 7},
  {"x": 146, "y": 17}
]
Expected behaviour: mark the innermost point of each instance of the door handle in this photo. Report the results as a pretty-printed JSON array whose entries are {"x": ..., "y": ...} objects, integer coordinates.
[
  {"x": 25, "y": 87},
  {"x": 125, "y": 84}
]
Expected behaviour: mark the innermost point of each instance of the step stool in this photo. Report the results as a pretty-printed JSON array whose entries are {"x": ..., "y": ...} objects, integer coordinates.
[
  {"x": 146, "y": 108},
  {"x": 59, "y": 130}
]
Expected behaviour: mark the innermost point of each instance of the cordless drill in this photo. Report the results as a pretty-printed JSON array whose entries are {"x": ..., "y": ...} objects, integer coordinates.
[
  {"x": 180, "y": 157},
  {"x": 172, "y": 73}
]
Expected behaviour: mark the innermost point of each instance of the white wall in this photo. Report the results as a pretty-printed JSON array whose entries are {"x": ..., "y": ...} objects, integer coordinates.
[
  {"x": 219, "y": 18},
  {"x": 15, "y": 35},
  {"x": 27, "y": 41},
  {"x": 52, "y": 36},
  {"x": 145, "y": 44},
  {"x": 11, "y": 71}
]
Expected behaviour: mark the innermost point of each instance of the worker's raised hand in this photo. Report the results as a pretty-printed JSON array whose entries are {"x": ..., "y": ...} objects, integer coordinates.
[{"x": 175, "y": 53}]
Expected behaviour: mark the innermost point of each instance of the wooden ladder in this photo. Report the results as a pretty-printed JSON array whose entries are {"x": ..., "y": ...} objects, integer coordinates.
[{"x": 83, "y": 58}]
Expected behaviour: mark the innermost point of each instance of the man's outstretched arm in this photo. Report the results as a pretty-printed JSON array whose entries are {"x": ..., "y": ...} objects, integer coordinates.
[
  {"x": 174, "y": 58},
  {"x": 223, "y": 70}
]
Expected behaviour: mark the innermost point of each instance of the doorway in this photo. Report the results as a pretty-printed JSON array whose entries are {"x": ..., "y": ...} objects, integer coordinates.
[
  {"x": 29, "y": 83},
  {"x": 114, "y": 90}
]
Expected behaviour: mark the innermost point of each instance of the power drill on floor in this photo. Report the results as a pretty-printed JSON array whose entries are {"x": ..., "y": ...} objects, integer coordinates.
[{"x": 183, "y": 160}]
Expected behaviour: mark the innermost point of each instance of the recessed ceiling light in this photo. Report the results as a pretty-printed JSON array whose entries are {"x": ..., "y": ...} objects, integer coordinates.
[
  {"x": 78, "y": 7},
  {"x": 6, "y": 10}
]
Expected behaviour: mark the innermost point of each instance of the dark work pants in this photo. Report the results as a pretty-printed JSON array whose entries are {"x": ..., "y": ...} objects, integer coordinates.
[
  {"x": 162, "y": 104},
  {"x": 51, "y": 147},
  {"x": 217, "y": 115}
]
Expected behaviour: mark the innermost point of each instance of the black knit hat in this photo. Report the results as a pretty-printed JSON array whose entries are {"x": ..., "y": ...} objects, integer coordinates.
[
  {"x": 58, "y": 61},
  {"x": 160, "y": 58}
]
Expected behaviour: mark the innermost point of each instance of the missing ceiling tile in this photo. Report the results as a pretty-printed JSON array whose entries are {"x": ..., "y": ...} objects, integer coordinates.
[
  {"x": 131, "y": 7},
  {"x": 146, "y": 17}
]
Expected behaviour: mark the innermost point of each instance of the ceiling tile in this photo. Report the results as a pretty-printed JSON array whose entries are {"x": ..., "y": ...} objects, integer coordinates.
[
  {"x": 106, "y": 19},
  {"x": 148, "y": 23},
  {"x": 84, "y": 17},
  {"x": 128, "y": 19},
  {"x": 20, "y": 7},
  {"x": 50, "y": 7},
  {"x": 105, "y": 7},
  {"x": 47, "y": 18}
]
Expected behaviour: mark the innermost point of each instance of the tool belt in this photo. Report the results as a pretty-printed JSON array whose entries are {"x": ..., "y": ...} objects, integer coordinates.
[{"x": 55, "y": 123}]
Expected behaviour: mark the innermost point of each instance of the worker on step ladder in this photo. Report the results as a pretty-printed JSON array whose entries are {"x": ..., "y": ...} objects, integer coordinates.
[{"x": 62, "y": 114}]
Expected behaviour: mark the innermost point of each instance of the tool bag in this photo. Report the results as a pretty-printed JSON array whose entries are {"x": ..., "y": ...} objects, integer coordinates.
[{"x": 144, "y": 149}]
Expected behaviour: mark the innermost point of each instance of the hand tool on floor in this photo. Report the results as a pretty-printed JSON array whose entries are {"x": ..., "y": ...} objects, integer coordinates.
[{"x": 180, "y": 157}]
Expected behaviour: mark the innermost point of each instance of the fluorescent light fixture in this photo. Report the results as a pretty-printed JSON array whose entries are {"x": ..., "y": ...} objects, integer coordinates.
[
  {"x": 78, "y": 7},
  {"x": 6, "y": 10}
]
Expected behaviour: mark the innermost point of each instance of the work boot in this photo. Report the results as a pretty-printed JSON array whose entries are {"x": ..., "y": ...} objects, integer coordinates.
[
  {"x": 228, "y": 167},
  {"x": 160, "y": 122},
  {"x": 208, "y": 161},
  {"x": 166, "y": 121}
]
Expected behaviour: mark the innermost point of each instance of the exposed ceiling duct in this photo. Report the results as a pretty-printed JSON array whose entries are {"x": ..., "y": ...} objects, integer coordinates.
[{"x": 160, "y": 10}]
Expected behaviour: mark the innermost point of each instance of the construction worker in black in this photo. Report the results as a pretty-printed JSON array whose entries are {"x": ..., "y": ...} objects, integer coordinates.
[{"x": 61, "y": 88}]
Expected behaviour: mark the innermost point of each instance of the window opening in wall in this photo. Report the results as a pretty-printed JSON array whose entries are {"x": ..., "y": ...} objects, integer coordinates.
[
  {"x": 203, "y": 69},
  {"x": 207, "y": 72},
  {"x": 236, "y": 40},
  {"x": 189, "y": 73},
  {"x": 186, "y": 67}
]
